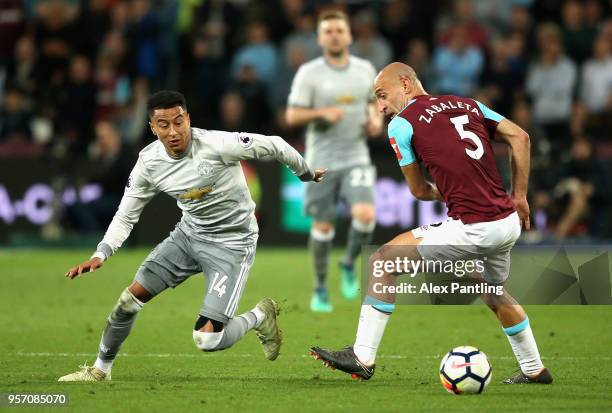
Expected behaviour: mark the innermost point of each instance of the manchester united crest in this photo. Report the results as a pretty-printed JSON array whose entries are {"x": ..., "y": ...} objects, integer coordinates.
[{"x": 205, "y": 168}]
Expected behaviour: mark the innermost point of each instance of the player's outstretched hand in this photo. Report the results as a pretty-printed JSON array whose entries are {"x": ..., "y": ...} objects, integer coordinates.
[
  {"x": 319, "y": 174},
  {"x": 522, "y": 208},
  {"x": 88, "y": 266}
]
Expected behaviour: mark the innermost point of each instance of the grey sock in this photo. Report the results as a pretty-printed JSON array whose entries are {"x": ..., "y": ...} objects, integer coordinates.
[
  {"x": 118, "y": 325},
  {"x": 236, "y": 328},
  {"x": 319, "y": 250},
  {"x": 356, "y": 239}
]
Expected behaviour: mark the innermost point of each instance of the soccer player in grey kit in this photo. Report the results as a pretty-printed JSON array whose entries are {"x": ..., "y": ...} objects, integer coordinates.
[
  {"x": 217, "y": 234},
  {"x": 332, "y": 95}
]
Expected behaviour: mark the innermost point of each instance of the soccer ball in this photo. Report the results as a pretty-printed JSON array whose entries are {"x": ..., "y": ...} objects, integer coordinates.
[{"x": 465, "y": 370}]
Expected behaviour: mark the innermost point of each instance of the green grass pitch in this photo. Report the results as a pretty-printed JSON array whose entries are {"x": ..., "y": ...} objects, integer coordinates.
[{"x": 49, "y": 325}]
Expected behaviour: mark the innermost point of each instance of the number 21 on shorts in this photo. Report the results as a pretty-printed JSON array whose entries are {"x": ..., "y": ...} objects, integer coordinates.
[{"x": 218, "y": 284}]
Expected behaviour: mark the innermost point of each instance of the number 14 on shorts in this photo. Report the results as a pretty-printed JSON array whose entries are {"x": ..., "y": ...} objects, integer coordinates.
[{"x": 218, "y": 284}]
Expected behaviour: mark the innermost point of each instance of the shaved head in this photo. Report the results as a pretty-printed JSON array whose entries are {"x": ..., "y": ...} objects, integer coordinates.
[
  {"x": 398, "y": 70},
  {"x": 395, "y": 86}
]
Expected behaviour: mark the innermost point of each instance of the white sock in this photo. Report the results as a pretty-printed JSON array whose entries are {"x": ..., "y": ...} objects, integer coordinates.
[
  {"x": 103, "y": 365},
  {"x": 371, "y": 328},
  {"x": 525, "y": 348},
  {"x": 259, "y": 315}
]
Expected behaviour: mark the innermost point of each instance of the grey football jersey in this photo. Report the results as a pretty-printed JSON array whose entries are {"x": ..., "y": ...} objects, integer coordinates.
[
  {"x": 318, "y": 84},
  {"x": 207, "y": 183}
]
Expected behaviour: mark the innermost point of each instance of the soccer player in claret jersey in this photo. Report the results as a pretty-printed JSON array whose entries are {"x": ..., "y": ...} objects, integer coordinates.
[
  {"x": 217, "y": 234},
  {"x": 451, "y": 136}
]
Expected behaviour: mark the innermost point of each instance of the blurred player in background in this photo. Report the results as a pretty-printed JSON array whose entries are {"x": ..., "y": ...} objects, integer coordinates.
[
  {"x": 217, "y": 234},
  {"x": 451, "y": 136},
  {"x": 332, "y": 95}
]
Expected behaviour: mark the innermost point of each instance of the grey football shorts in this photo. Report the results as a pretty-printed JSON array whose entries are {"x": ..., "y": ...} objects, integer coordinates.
[
  {"x": 351, "y": 185},
  {"x": 179, "y": 257}
]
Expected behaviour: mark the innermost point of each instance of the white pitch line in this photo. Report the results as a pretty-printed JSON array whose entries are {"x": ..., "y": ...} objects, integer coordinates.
[{"x": 230, "y": 355}]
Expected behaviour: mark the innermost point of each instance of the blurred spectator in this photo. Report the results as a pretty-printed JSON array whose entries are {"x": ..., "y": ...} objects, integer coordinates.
[
  {"x": 66, "y": 64},
  {"x": 368, "y": 43},
  {"x": 279, "y": 90},
  {"x": 209, "y": 75},
  {"x": 254, "y": 93},
  {"x": 119, "y": 18},
  {"x": 303, "y": 37},
  {"x": 15, "y": 118},
  {"x": 498, "y": 81},
  {"x": 143, "y": 33},
  {"x": 55, "y": 33},
  {"x": 596, "y": 88},
  {"x": 402, "y": 22},
  {"x": 577, "y": 36},
  {"x": 113, "y": 87},
  {"x": 417, "y": 57},
  {"x": 77, "y": 105},
  {"x": 132, "y": 118},
  {"x": 282, "y": 17},
  {"x": 91, "y": 26},
  {"x": 584, "y": 184},
  {"x": 592, "y": 13},
  {"x": 546, "y": 10},
  {"x": 457, "y": 65},
  {"x": 232, "y": 112},
  {"x": 24, "y": 71},
  {"x": 214, "y": 21},
  {"x": 462, "y": 15},
  {"x": 112, "y": 164},
  {"x": 259, "y": 54},
  {"x": 550, "y": 83},
  {"x": 12, "y": 25},
  {"x": 495, "y": 15},
  {"x": 521, "y": 24}
]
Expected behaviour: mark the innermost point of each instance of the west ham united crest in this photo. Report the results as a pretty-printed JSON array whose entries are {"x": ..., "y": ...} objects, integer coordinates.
[{"x": 205, "y": 168}]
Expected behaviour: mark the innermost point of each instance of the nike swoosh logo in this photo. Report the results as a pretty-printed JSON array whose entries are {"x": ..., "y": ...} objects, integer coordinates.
[{"x": 364, "y": 367}]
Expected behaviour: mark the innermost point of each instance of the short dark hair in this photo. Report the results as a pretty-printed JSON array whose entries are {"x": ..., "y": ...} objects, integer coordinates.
[{"x": 165, "y": 99}]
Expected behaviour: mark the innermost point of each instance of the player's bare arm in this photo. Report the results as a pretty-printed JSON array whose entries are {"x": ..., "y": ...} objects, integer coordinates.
[
  {"x": 297, "y": 116},
  {"x": 419, "y": 186},
  {"x": 518, "y": 140}
]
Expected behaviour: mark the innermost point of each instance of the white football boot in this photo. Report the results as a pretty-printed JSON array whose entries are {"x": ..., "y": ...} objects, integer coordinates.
[
  {"x": 270, "y": 336},
  {"x": 86, "y": 373}
]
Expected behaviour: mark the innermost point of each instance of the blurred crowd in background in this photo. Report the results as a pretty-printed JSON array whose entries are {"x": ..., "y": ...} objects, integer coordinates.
[{"x": 75, "y": 76}]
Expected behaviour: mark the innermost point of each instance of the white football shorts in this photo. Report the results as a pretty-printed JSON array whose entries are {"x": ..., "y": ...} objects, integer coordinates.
[{"x": 453, "y": 240}]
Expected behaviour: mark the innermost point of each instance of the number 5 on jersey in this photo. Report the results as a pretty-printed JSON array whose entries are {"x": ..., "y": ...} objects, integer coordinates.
[
  {"x": 459, "y": 122},
  {"x": 218, "y": 284}
]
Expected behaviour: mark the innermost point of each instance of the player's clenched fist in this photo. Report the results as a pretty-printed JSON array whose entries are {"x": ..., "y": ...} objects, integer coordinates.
[
  {"x": 319, "y": 174},
  {"x": 332, "y": 114},
  {"x": 88, "y": 266}
]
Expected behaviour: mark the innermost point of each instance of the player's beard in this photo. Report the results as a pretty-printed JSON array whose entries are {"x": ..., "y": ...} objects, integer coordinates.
[{"x": 338, "y": 53}]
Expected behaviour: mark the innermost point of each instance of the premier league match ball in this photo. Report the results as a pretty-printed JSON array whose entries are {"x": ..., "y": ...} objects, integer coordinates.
[{"x": 465, "y": 370}]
